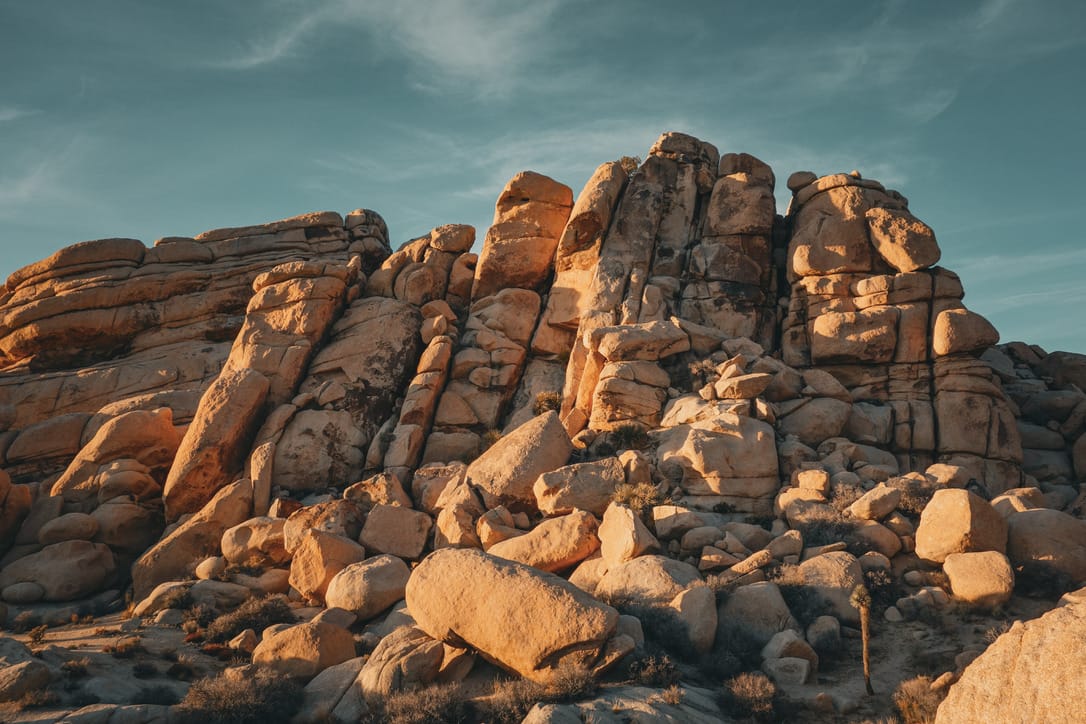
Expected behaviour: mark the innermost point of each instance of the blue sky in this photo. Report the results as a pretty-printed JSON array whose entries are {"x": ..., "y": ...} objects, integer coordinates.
[{"x": 148, "y": 118}]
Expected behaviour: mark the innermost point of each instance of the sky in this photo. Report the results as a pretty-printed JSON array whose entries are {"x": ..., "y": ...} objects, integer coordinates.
[{"x": 148, "y": 118}]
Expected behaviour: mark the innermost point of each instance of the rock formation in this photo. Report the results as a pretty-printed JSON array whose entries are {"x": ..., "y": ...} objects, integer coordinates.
[{"x": 617, "y": 419}]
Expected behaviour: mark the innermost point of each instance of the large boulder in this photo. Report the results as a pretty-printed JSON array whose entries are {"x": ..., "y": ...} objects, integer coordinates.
[
  {"x": 506, "y": 472},
  {"x": 369, "y": 587},
  {"x": 1043, "y": 542},
  {"x": 668, "y": 596},
  {"x": 176, "y": 555},
  {"x": 396, "y": 530},
  {"x": 623, "y": 536},
  {"x": 958, "y": 521},
  {"x": 65, "y": 571},
  {"x": 304, "y": 650},
  {"x": 555, "y": 544},
  {"x": 981, "y": 579},
  {"x": 962, "y": 330},
  {"x": 1035, "y": 672},
  {"x": 547, "y": 623},
  {"x": 588, "y": 486},
  {"x": 257, "y": 541},
  {"x": 830, "y": 579},
  {"x": 318, "y": 559},
  {"x": 405, "y": 659},
  {"x": 752, "y": 615}
]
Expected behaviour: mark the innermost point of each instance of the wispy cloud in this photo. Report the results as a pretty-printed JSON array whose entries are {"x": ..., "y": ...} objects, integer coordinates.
[
  {"x": 14, "y": 113},
  {"x": 43, "y": 181},
  {"x": 481, "y": 43}
]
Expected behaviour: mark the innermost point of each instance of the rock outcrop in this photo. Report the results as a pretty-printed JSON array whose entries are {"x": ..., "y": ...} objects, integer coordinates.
[{"x": 657, "y": 412}]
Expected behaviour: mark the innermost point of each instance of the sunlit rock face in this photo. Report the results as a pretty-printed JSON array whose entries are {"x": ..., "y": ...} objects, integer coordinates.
[{"x": 660, "y": 376}]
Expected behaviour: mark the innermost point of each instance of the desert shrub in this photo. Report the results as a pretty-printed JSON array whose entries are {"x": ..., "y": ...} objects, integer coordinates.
[
  {"x": 75, "y": 668},
  {"x": 884, "y": 590},
  {"x": 198, "y": 617},
  {"x": 183, "y": 670},
  {"x": 124, "y": 648},
  {"x": 509, "y": 701},
  {"x": 629, "y": 436},
  {"x": 261, "y": 698},
  {"x": 489, "y": 438},
  {"x": 250, "y": 568},
  {"x": 37, "y": 635},
  {"x": 916, "y": 701},
  {"x": 629, "y": 163},
  {"x": 256, "y": 613},
  {"x": 750, "y": 694},
  {"x": 640, "y": 497},
  {"x": 654, "y": 671},
  {"x": 571, "y": 683},
  {"x": 158, "y": 694},
  {"x": 995, "y": 632},
  {"x": 546, "y": 401},
  {"x": 744, "y": 647},
  {"x": 429, "y": 705},
  {"x": 673, "y": 695}
]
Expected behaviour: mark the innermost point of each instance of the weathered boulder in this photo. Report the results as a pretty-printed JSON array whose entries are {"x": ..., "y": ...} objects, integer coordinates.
[
  {"x": 304, "y": 650},
  {"x": 396, "y": 530},
  {"x": 980, "y": 579},
  {"x": 958, "y": 521},
  {"x": 623, "y": 536},
  {"x": 317, "y": 560},
  {"x": 1035, "y": 672},
  {"x": 405, "y": 659},
  {"x": 19, "y": 679},
  {"x": 830, "y": 578},
  {"x": 72, "y": 526},
  {"x": 961, "y": 330},
  {"x": 587, "y": 486},
  {"x": 257, "y": 541},
  {"x": 338, "y": 517},
  {"x": 1044, "y": 542},
  {"x": 666, "y": 591},
  {"x": 176, "y": 555},
  {"x": 506, "y": 472},
  {"x": 65, "y": 571},
  {"x": 555, "y": 544},
  {"x": 752, "y": 615},
  {"x": 903, "y": 241},
  {"x": 455, "y": 596},
  {"x": 369, "y": 587}
]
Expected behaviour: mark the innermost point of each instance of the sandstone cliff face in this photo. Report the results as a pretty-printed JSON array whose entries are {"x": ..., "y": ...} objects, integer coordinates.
[{"x": 666, "y": 328}]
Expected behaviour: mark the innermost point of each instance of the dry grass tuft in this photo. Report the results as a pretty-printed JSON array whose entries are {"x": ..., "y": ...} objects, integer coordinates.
[
  {"x": 916, "y": 701},
  {"x": 639, "y": 497},
  {"x": 546, "y": 401}
]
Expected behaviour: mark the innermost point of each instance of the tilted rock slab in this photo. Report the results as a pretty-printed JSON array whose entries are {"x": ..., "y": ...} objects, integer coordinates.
[
  {"x": 1035, "y": 672},
  {"x": 530, "y": 622}
]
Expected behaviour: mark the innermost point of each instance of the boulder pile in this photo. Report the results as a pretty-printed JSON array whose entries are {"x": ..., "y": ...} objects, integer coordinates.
[{"x": 656, "y": 415}]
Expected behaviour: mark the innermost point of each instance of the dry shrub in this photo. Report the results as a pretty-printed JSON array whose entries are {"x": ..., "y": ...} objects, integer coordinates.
[
  {"x": 995, "y": 632},
  {"x": 510, "y": 701},
  {"x": 655, "y": 671},
  {"x": 75, "y": 668},
  {"x": 37, "y": 635},
  {"x": 916, "y": 701},
  {"x": 546, "y": 401},
  {"x": 36, "y": 699},
  {"x": 750, "y": 694},
  {"x": 25, "y": 621},
  {"x": 251, "y": 568},
  {"x": 124, "y": 648},
  {"x": 256, "y": 613},
  {"x": 639, "y": 497},
  {"x": 629, "y": 436},
  {"x": 178, "y": 598},
  {"x": 429, "y": 705},
  {"x": 673, "y": 695},
  {"x": 261, "y": 698},
  {"x": 571, "y": 683}
]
